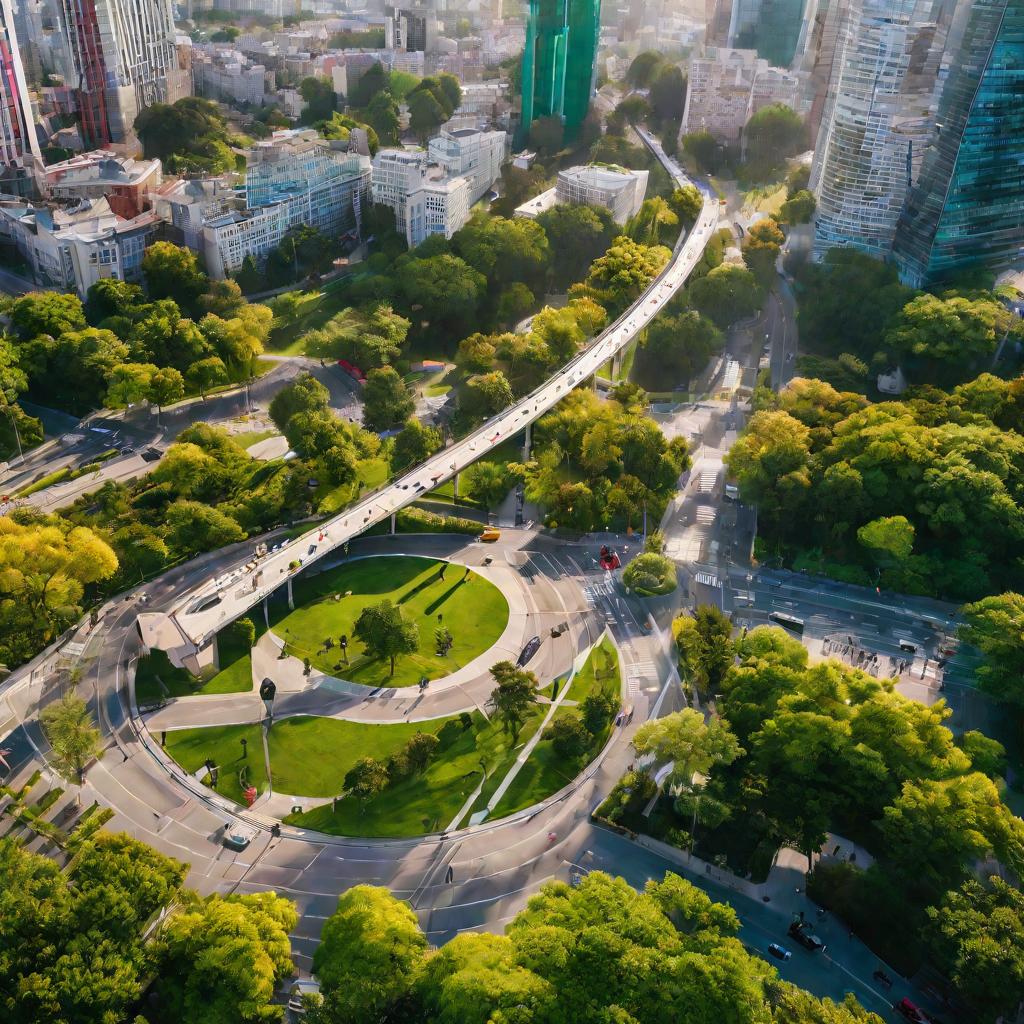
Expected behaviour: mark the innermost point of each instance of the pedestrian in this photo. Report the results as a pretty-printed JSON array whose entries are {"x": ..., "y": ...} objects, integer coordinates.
[{"x": 440, "y": 575}]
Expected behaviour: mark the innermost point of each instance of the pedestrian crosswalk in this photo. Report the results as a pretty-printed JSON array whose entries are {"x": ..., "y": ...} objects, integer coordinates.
[
  {"x": 707, "y": 580},
  {"x": 706, "y": 514}
]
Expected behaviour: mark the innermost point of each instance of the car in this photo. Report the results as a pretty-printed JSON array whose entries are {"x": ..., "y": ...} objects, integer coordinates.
[
  {"x": 238, "y": 837},
  {"x": 152, "y": 454},
  {"x": 799, "y": 931},
  {"x": 907, "y": 1009},
  {"x": 491, "y": 534},
  {"x": 779, "y": 952},
  {"x": 531, "y": 648},
  {"x": 127, "y": 450}
]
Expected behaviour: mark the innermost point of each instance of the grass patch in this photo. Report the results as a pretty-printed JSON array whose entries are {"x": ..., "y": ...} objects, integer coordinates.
[
  {"x": 316, "y": 308},
  {"x": 371, "y": 473},
  {"x": 424, "y": 803},
  {"x": 506, "y": 452},
  {"x": 222, "y": 744},
  {"x": 474, "y": 610},
  {"x": 546, "y": 771},
  {"x": 235, "y": 657},
  {"x": 156, "y": 679},
  {"x": 250, "y": 440}
]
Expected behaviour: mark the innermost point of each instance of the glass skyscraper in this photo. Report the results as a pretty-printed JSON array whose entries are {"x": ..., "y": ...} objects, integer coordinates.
[
  {"x": 558, "y": 62},
  {"x": 966, "y": 208}
]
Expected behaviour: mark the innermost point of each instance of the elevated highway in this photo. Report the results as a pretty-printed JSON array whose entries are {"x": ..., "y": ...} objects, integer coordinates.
[{"x": 205, "y": 609}]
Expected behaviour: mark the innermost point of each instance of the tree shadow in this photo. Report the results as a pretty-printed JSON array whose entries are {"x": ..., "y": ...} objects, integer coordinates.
[{"x": 441, "y": 598}]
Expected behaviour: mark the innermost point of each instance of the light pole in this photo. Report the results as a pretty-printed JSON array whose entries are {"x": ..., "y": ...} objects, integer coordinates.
[{"x": 17, "y": 433}]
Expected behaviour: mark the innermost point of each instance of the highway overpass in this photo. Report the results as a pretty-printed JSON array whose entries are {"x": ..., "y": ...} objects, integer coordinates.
[{"x": 204, "y": 610}]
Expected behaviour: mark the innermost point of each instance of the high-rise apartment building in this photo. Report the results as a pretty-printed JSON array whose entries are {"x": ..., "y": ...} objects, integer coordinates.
[
  {"x": 558, "y": 62},
  {"x": 878, "y": 120},
  {"x": 966, "y": 208},
  {"x": 124, "y": 58},
  {"x": 19, "y": 147},
  {"x": 470, "y": 153}
]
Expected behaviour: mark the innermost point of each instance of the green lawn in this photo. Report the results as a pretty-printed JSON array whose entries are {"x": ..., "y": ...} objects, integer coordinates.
[
  {"x": 547, "y": 771},
  {"x": 235, "y": 675},
  {"x": 424, "y": 803},
  {"x": 222, "y": 744},
  {"x": 506, "y": 452},
  {"x": 372, "y": 473},
  {"x": 316, "y": 309},
  {"x": 474, "y": 610},
  {"x": 252, "y": 438}
]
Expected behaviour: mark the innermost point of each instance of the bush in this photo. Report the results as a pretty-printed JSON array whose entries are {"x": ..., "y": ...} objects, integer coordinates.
[
  {"x": 569, "y": 737},
  {"x": 419, "y": 520},
  {"x": 244, "y": 631},
  {"x": 628, "y": 798},
  {"x": 597, "y": 710},
  {"x": 650, "y": 575}
]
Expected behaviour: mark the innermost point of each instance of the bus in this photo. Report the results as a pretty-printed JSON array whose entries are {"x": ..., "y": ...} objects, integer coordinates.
[{"x": 787, "y": 621}]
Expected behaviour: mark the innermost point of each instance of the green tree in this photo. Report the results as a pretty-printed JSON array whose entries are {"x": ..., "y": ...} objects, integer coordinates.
[
  {"x": 513, "y": 697},
  {"x": 676, "y": 349},
  {"x": 515, "y": 301},
  {"x": 426, "y": 114},
  {"x": 995, "y": 625},
  {"x": 597, "y": 710},
  {"x": 644, "y": 68},
  {"x": 222, "y": 958},
  {"x": 487, "y": 394},
  {"x": 771, "y": 135},
  {"x": 577, "y": 236},
  {"x": 705, "y": 647},
  {"x": 166, "y": 387},
  {"x": 52, "y": 313},
  {"x": 108, "y": 297},
  {"x": 413, "y": 444},
  {"x": 687, "y": 202},
  {"x": 193, "y": 527},
  {"x": 320, "y": 100},
  {"x": 372, "y": 82},
  {"x": 129, "y": 383},
  {"x": 172, "y": 272},
  {"x": 189, "y": 135},
  {"x": 726, "y": 294},
  {"x": 547, "y": 135},
  {"x": 207, "y": 373},
  {"x": 487, "y": 483},
  {"x": 366, "y": 779},
  {"x": 568, "y": 735},
  {"x": 668, "y": 94},
  {"x": 655, "y": 222},
  {"x": 370, "y": 952},
  {"x": 650, "y": 574},
  {"x": 704, "y": 150},
  {"x": 799, "y": 208},
  {"x": 695, "y": 746},
  {"x": 619, "y": 276},
  {"x": 386, "y": 399},
  {"x": 888, "y": 538},
  {"x": 761, "y": 248},
  {"x": 304, "y": 394},
  {"x": 72, "y": 734},
  {"x": 977, "y": 935},
  {"x": 386, "y": 633},
  {"x": 446, "y": 290}
]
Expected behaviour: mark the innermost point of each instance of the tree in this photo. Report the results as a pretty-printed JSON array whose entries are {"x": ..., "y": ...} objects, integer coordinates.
[
  {"x": 413, "y": 444},
  {"x": 366, "y": 779},
  {"x": 320, "y": 100},
  {"x": 515, "y": 301},
  {"x": 654, "y": 222},
  {"x": 569, "y": 736},
  {"x": 52, "y": 313},
  {"x": 995, "y": 625},
  {"x": 513, "y": 697},
  {"x": 193, "y": 527},
  {"x": 597, "y": 710},
  {"x": 668, "y": 94},
  {"x": 72, "y": 734},
  {"x": 799, "y": 208},
  {"x": 487, "y": 394},
  {"x": 650, "y": 574},
  {"x": 108, "y": 297},
  {"x": 166, "y": 387},
  {"x": 704, "y": 150},
  {"x": 687, "y": 202},
  {"x": 370, "y": 952},
  {"x": 486, "y": 483},
  {"x": 189, "y": 135},
  {"x": 447, "y": 290},
  {"x": 726, "y": 294},
  {"x": 426, "y": 114},
  {"x": 373, "y": 81},
  {"x": 420, "y": 749},
  {"x": 704, "y": 646},
  {"x": 888, "y": 538},
  {"x": 644, "y": 67},
  {"x": 304, "y": 394},
  {"x": 207, "y": 373},
  {"x": 172, "y": 272},
  {"x": 386, "y": 633},
  {"x": 129, "y": 383},
  {"x": 695, "y": 746},
  {"x": 222, "y": 298},
  {"x": 676, "y": 348},
  {"x": 761, "y": 248},
  {"x": 771, "y": 135},
  {"x": 221, "y": 958},
  {"x": 383, "y": 114},
  {"x": 633, "y": 109},
  {"x": 386, "y": 399},
  {"x": 977, "y": 934},
  {"x": 577, "y": 236},
  {"x": 624, "y": 271}
]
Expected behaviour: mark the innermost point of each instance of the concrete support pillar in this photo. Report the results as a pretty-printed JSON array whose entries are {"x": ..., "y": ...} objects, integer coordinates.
[
  {"x": 527, "y": 442},
  {"x": 266, "y": 613},
  {"x": 394, "y": 518},
  {"x": 593, "y": 383},
  {"x": 616, "y": 365},
  {"x": 291, "y": 596},
  {"x": 455, "y": 485}
]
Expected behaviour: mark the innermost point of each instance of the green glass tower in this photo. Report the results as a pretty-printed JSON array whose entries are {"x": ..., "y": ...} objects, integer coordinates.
[
  {"x": 558, "y": 62},
  {"x": 966, "y": 208}
]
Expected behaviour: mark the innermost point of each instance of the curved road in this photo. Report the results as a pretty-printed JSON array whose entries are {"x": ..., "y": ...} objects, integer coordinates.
[{"x": 205, "y": 610}]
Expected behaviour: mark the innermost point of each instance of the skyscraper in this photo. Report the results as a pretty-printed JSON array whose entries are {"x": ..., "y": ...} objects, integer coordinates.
[
  {"x": 772, "y": 27},
  {"x": 558, "y": 62},
  {"x": 19, "y": 147},
  {"x": 967, "y": 206},
  {"x": 878, "y": 120},
  {"x": 124, "y": 59}
]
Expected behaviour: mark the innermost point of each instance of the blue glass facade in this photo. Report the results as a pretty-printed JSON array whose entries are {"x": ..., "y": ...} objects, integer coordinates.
[{"x": 966, "y": 209}]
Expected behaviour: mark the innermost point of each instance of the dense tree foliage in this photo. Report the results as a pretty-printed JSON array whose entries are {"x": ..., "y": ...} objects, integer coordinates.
[
  {"x": 773, "y": 134},
  {"x": 726, "y": 294},
  {"x": 187, "y": 136},
  {"x": 675, "y": 349},
  {"x": 832, "y": 472}
]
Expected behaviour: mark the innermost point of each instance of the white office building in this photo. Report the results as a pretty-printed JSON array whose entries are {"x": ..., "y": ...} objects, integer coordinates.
[
  {"x": 471, "y": 153},
  {"x": 617, "y": 189}
]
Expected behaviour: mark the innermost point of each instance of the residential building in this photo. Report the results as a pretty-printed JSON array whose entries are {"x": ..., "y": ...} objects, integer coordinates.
[
  {"x": 472, "y": 153},
  {"x": 727, "y": 87},
  {"x": 124, "y": 182},
  {"x": 123, "y": 57},
  {"x": 186, "y": 204},
  {"x": 19, "y": 146},
  {"x": 229, "y": 75},
  {"x": 617, "y": 189},
  {"x": 878, "y": 121},
  {"x": 293, "y": 178},
  {"x": 397, "y": 173},
  {"x": 71, "y": 249},
  {"x": 558, "y": 73},
  {"x": 966, "y": 208}
]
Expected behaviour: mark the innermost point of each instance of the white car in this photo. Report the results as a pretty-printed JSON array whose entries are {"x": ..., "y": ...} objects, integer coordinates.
[{"x": 238, "y": 836}]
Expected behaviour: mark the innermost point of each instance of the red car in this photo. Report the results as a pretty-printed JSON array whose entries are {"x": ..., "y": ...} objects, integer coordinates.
[
  {"x": 609, "y": 560},
  {"x": 907, "y": 1009}
]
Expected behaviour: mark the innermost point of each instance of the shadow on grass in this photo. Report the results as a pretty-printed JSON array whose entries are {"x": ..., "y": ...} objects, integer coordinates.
[{"x": 440, "y": 600}]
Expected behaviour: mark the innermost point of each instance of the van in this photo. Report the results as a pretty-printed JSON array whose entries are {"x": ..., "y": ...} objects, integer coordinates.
[{"x": 490, "y": 534}]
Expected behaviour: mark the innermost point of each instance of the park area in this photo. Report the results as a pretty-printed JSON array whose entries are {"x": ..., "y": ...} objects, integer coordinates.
[
  {"x": 431, "y": 594},
  {"x": 311, "y": 756}
]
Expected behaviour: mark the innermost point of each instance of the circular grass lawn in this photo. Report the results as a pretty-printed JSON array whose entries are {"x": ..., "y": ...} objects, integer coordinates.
[{"x": 473, "y": 608}]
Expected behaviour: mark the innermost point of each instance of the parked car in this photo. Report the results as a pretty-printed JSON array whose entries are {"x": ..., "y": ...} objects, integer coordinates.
[
  {"x": 779, "y": 952},
  {"x": 151, "y": 454},
  {"x": 238, "y": 837},
  {"x": 490, "y": 535},
  {"x": 907, "y": 1009},
  {"x": 531, "y": 648}
]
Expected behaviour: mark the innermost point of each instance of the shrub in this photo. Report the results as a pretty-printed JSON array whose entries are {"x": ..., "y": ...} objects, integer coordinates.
[
  {"x": 569, "y": 737},
  {"x": 420, "y": 520},
  {"x": 650, "y": 574}
]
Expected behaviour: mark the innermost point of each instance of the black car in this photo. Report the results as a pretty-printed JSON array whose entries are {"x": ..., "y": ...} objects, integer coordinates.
[
  {"x": 532, "y": 645},
  {"x": 151, "y": 455},
  {"x": 800, "y": 932}
]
